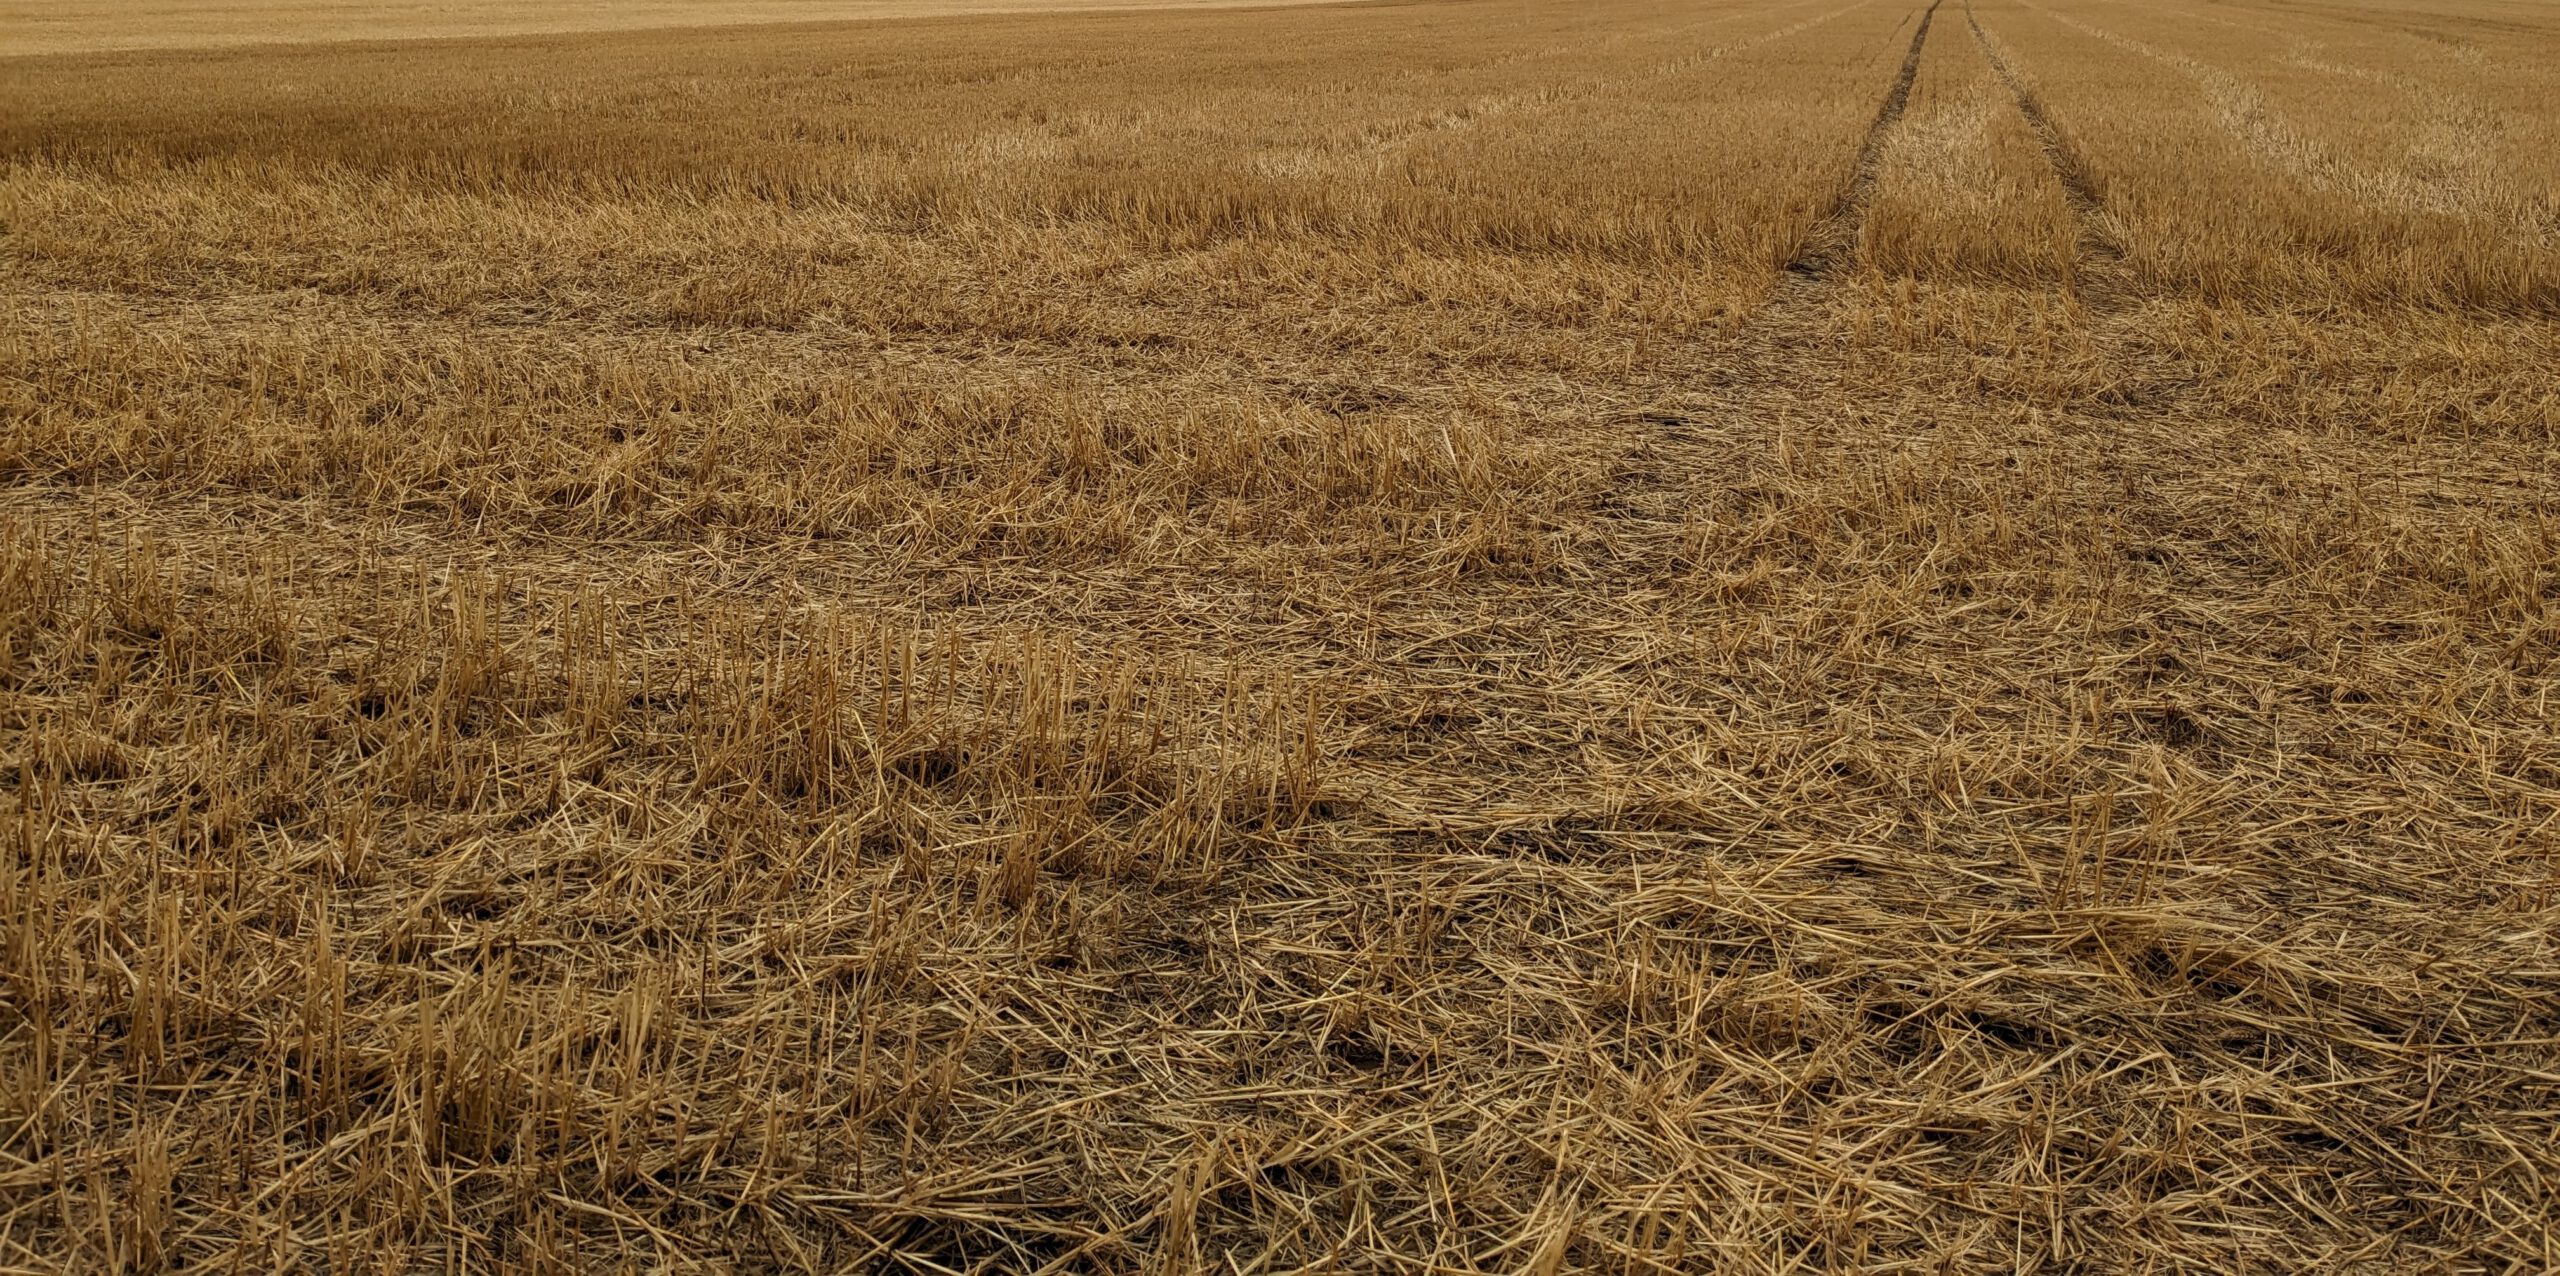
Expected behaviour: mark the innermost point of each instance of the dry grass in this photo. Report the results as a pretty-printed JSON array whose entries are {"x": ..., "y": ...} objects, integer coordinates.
[
  {"x": 83, "y": 26},
  {"x": 2298, "y": 179},
  {"x": 1438, "y": 637}
]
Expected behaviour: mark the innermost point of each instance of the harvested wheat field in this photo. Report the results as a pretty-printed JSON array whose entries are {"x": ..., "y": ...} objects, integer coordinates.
[{"x": 1650, "y": 636}]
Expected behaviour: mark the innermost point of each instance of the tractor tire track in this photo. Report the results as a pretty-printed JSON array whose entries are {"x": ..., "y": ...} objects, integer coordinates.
[
  {"x": 2278, "y": 143},
  {"x": 2097, "y": 272},
  {"x": 1833, "y": 241},
  {"x": 1696, "y": 436}
]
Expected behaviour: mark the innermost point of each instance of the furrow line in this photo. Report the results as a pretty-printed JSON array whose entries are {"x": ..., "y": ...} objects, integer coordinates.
[
  {"x": 2096, "y": 244},
  {"x": 1834, "y": 240}
]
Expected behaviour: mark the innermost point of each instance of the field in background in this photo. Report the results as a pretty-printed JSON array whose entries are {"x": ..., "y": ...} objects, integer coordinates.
[
  {"x": 1432, "y": 637},
  {"x": 81, "y": 26}
]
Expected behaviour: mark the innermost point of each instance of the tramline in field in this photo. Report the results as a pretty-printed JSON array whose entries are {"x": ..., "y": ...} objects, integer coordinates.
[{"x": 1429, "y": 637}]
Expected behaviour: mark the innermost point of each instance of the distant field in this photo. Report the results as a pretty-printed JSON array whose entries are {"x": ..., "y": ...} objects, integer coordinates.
[
  {"x": 1643, "y": 636},
  {"x": 74, "y": 26}
]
